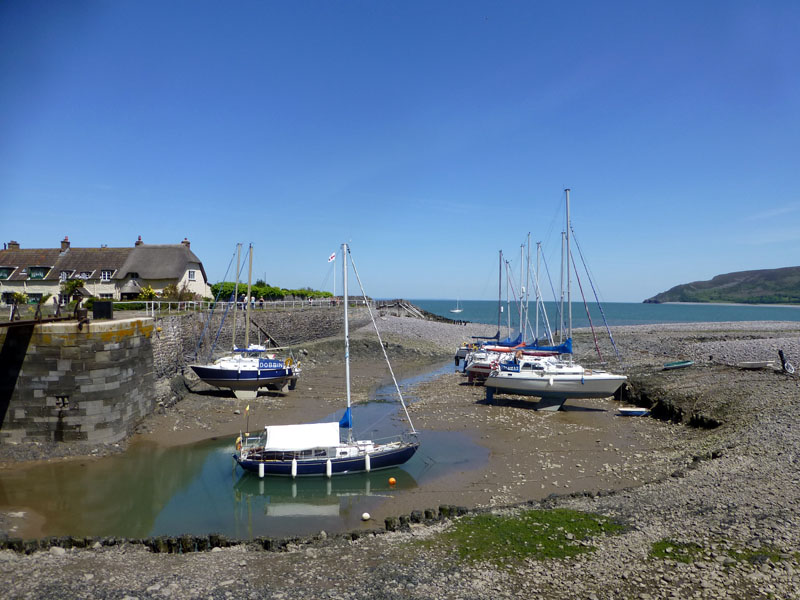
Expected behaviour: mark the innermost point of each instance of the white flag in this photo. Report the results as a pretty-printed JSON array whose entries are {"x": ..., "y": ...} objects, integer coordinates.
[{"x": 332, "y": 257}]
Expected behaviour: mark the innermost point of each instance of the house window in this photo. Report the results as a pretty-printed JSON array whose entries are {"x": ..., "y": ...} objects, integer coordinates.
[
  {"x": 64, "y": 275},
  {"x": 107, "y": 296},
  {"x": 133, "y": 275},
  {"x": 86, "y": 274},
  {"x": 191, "y": 275},
  {"x": 5, "y": 273},
  {"x": 37, "y": 273},
  {"x": 105, "y": 275}
]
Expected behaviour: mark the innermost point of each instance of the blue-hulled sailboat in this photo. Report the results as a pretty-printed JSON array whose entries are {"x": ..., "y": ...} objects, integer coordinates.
[{"x": 318, "y": 448}]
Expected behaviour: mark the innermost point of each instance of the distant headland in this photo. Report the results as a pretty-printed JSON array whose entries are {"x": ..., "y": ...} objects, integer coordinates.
[{"x": 764, "y": 286}]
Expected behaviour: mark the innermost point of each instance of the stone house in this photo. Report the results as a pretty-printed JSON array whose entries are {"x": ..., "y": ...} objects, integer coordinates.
[{"x": 113, "y": 273}]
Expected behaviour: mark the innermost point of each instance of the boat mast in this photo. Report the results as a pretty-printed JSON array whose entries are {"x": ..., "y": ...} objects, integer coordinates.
[
  {"x": 499, "y": 294},
  {"x": 538, "y": 291},
  {"x": 527, "y": 285},
  {"x": 236, "y": 296},
  {"x": 247, "y": 299},
  {"x": 346, "y": 340},
  {"x": 521, "y": 287},
  {"x": 569, "y": 260},
  {"x": 561, "y": 320}
]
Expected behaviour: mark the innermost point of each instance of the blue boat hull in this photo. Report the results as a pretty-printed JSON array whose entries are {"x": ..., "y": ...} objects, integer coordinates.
[
  {"x": 246, "y": 379},
  {"x": 318, "y": 466}
]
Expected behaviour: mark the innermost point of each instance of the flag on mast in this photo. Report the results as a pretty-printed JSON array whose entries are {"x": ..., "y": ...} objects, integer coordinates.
[{"x": 332, "y": 257}]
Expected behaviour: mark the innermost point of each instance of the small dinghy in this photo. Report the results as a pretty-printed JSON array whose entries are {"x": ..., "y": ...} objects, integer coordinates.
[
  {"x": 633, "y": 411},
  {"x": 678, "y": 364}
]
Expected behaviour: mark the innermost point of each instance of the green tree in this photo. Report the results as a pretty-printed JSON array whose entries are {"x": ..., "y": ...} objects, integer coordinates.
[
  {"x": 147, "y": 293},
  {"x": 69, "y": 287}
]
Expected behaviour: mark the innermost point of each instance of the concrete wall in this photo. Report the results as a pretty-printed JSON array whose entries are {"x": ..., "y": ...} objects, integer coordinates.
[{"x": 91, "y": 384}]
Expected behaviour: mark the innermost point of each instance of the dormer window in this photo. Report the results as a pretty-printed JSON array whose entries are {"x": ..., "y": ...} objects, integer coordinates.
[
  {"x": 85, "y": 275},
  {"x": 5, "y": 272},
  {"x": 37, "y": 272},
  {"x": 64, "y": 275},
  {"x": 133, "y": 275},
  {"x": 105, "y": 275}
]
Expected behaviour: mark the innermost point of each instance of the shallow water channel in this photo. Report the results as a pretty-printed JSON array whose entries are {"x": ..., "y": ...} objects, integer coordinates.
[{"x": 197, "y": 488}]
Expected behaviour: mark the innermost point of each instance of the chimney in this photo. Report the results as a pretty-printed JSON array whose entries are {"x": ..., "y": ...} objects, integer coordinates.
[
  {"x": 65, "y": 243},
  {"x": 139, "y": 242},
  {"x": 12, "y": 245},
  {"x": 185, "y": 242}
]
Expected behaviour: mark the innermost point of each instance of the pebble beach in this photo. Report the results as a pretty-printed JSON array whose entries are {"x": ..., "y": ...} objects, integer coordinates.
[{"x": 714, "y": 483}]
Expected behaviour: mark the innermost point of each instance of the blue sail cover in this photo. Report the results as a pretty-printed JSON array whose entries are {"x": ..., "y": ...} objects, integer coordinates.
[
  {"x": 509, "y": 342},
  {"x": 347, "y": 419},
  {"x": 565, "y": 348}
]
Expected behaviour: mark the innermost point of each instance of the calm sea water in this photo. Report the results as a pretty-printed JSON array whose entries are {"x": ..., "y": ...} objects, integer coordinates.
[{"x": 615, "y": 313}]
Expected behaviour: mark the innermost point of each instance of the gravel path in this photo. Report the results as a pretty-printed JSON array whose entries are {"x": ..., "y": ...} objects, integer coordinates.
[{"x": 734, "y": 498}]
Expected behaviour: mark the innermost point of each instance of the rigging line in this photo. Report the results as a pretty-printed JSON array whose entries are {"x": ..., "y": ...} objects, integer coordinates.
[
  {"x": 211, "y": 312},
  {"x": 383, "y": 348},
  {"x": 540, "y": 304},
  {"x": 586, "y": 307},
  {"x": 552, "y": 289},
  {"x": 232, "y": 301},
  {"x": 600, "y": 306}
]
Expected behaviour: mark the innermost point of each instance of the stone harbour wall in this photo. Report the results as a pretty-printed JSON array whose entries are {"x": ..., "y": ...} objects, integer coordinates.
[{"x": 60, "y": 382}]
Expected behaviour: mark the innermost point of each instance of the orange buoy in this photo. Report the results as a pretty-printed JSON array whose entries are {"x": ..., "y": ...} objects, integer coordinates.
[{"x": 392, "y": 480}]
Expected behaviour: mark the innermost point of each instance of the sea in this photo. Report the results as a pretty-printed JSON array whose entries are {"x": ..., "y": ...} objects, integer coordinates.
[{"x": 611, "y": 313}]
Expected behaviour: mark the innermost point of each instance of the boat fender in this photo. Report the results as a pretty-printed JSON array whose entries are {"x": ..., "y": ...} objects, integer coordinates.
[
  {"x": 367, "y": 463},
  {"x": 328, "y": 469},
  {"x": 288, "y": 362},
  {"x": 294, "y": 467},
  {"x": 583, "y": 381},
  {"x": 261, "y": 470},
  {"x": 550, "y": 381}
]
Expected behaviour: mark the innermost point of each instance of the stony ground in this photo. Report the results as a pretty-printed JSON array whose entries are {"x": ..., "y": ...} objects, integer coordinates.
[{"x": 730, "y": 494}]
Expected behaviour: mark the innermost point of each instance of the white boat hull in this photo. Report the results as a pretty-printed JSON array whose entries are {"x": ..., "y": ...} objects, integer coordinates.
[{"x": 589, "y": 385}]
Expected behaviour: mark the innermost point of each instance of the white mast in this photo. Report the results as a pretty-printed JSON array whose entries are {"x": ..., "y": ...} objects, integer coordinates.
[
  {"x": 569, "y": 278},
  {"x": 527, "y": 285},
  {"x": 247, "y": 299},
  {"x": 346, "y": 338},
  {"x": 236, "y": 296}
]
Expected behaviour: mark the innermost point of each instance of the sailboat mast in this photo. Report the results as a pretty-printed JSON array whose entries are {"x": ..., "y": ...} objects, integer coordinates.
[
  {"x": 521, "y": 287},
  {"x": 247, "y": 299},
  {"x": 499, "y": 294},
  {"x": 538, "y": 291},
  {"x": 569, "y": 279},
  {"x": 346, "y": 336},
  {"x": 527, "y": 285},
  {"x": 236, "y": 295}
]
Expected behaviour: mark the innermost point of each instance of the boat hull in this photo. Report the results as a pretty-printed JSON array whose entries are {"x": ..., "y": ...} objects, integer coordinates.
[
  {"x": 379, "y": 459},
  {"x": 596, "y": 385},
  {"x": 246, "y": 379}
]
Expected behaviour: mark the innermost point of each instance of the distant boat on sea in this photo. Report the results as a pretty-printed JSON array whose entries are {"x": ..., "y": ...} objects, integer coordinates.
[{"x": 458, "y": 308}]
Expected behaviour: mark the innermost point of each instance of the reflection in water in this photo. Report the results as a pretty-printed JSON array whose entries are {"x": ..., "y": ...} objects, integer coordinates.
[
  {"x": 114, "y": 496},
  {"x": 196, "y": 489}
]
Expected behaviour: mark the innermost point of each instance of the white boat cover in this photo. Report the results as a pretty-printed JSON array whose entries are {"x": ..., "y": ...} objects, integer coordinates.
[{"x": 302, "y": 437}]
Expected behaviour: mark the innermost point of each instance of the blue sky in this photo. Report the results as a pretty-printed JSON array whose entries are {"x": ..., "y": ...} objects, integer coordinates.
[{"x": 429, "y": 135}]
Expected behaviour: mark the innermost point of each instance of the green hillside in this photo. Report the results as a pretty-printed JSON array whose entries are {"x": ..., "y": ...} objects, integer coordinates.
[{"x": 765, "y": 286}]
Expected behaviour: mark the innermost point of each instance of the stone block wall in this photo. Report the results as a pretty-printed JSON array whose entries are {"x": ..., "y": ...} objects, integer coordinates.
[{"x": 91, "y": 384}]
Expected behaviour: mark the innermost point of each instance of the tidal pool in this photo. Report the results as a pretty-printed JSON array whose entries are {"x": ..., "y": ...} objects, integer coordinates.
[{"x": 197, "y": 489}]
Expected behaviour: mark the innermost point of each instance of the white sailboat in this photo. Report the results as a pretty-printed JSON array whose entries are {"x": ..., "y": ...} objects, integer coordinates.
[
  {"x": 458, "y": 308},
  {"x": 317, "y": 448},
  {"x": 551, "y": 379}
]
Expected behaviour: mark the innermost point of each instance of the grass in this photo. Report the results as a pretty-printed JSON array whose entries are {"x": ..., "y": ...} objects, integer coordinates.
[
  {"x": 684, "y": 552},
  {"x": 537, "y": 534},
  {"x": 688, "y": 552}
]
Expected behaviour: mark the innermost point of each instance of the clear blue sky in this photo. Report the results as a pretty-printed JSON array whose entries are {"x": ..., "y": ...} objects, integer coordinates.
[{"x": 428, "y": 134}]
